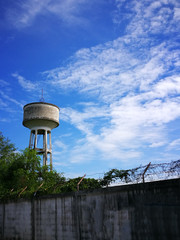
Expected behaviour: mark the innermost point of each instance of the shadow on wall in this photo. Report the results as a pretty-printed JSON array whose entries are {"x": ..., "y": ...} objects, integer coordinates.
[{"x": 146, "y": 211}]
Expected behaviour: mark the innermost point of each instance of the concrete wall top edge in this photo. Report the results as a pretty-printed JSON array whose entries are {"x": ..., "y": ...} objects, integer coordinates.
[
  {"x": 122, "y": 188},
  {"x": 131, "y": 187}
]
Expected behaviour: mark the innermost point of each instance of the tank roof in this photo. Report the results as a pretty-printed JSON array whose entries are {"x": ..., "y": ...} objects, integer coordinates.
[{"x": 41, "y": 103}]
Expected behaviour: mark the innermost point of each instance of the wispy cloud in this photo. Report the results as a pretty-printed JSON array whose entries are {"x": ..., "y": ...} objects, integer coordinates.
[
  {"x": 175, "y": 144},
  {"x": 109, "y": 71},
  {"x": 130, "y": 125},
  {"x": 2, "y": 103},
  {"x": 23, "y": 13},
  {"x": 10, "y": 99},
  {"x": 135, "y": 78},
  {"x": 60, "y": 145},
  {"x": 24, "y": 83},
  {"x": 149, "y": 16},
  {"x": 7, "y": 101},
  {"x": 84, "y": 120},
  {"x": 3, "y": 83}
]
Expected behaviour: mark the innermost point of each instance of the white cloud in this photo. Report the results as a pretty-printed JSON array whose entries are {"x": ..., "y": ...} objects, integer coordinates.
[
  {"x": 176, "y": 14},
  {"x": 58, "y": 163},
  {"x": 84, "y": 120},
  {"x": 175, "y": 144},
  {"x": 24, "y": 13},
  {"x": 68, "y": 10},
  {"x": 134, "y": 78},
  {"x": 2, "y": 103},
  {"x": 60, "y": 145},
  {"x": 129, "y": 125},
  {"x": 10, "y": 99},
  {"x": 26, "y": 84},
  {"x": 168, "y": 86},
  {"x": 157, "y": 144},
  {"x": 109, "y": 71},
  {"x": 3, "y": 83},
  {"x": 149, "y": 16},
  {"x": 4, "y": 120}
]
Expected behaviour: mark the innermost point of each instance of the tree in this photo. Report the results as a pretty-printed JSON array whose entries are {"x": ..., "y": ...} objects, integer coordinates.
[
  {"x": 71, "y": 184},
  {"x": 7, "y": 154},
  {"x": 23, "y": 170},
  {"x": 113, "y": 175},
  {"x": 21, "y": 175},
  {"x": 7, "y": 149}
]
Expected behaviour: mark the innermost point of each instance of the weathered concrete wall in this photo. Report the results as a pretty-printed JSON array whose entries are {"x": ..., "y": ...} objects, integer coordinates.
[{"x": 147, "y": 211}]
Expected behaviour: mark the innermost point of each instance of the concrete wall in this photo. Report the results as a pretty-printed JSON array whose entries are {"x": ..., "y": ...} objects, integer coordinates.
[{"x": 147, "y": 211}]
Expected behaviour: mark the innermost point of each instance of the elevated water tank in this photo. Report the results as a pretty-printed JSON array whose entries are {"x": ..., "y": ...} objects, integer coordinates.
[{"x": 41, "y": 118}]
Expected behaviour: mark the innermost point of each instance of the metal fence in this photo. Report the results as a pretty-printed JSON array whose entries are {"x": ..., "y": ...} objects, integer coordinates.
[{"x": 150, "y": 172}]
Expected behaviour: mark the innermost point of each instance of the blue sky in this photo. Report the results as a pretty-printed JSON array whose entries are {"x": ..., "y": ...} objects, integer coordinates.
[{"x": 112, "y": 66}]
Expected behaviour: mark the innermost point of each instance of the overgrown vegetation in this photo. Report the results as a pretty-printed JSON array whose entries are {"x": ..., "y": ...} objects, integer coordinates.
[
  {"x": 21, "y": 174},
  {"x": 115, "y": 174}
]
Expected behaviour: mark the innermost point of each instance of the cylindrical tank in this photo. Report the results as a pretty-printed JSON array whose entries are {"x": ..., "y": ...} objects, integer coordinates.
[{"x": 41, "y": 114}]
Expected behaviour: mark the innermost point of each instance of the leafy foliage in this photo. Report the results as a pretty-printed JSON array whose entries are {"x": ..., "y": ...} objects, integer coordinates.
[
  {"x": 113, "y": 175},
  {"x": 21, "y": 175},
  {"x": 87, "y": 183},
  {"x": 7, "y": 149}
]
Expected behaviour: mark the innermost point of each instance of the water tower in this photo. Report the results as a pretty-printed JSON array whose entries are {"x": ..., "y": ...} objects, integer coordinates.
[{"x": 41, "y": 118}]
